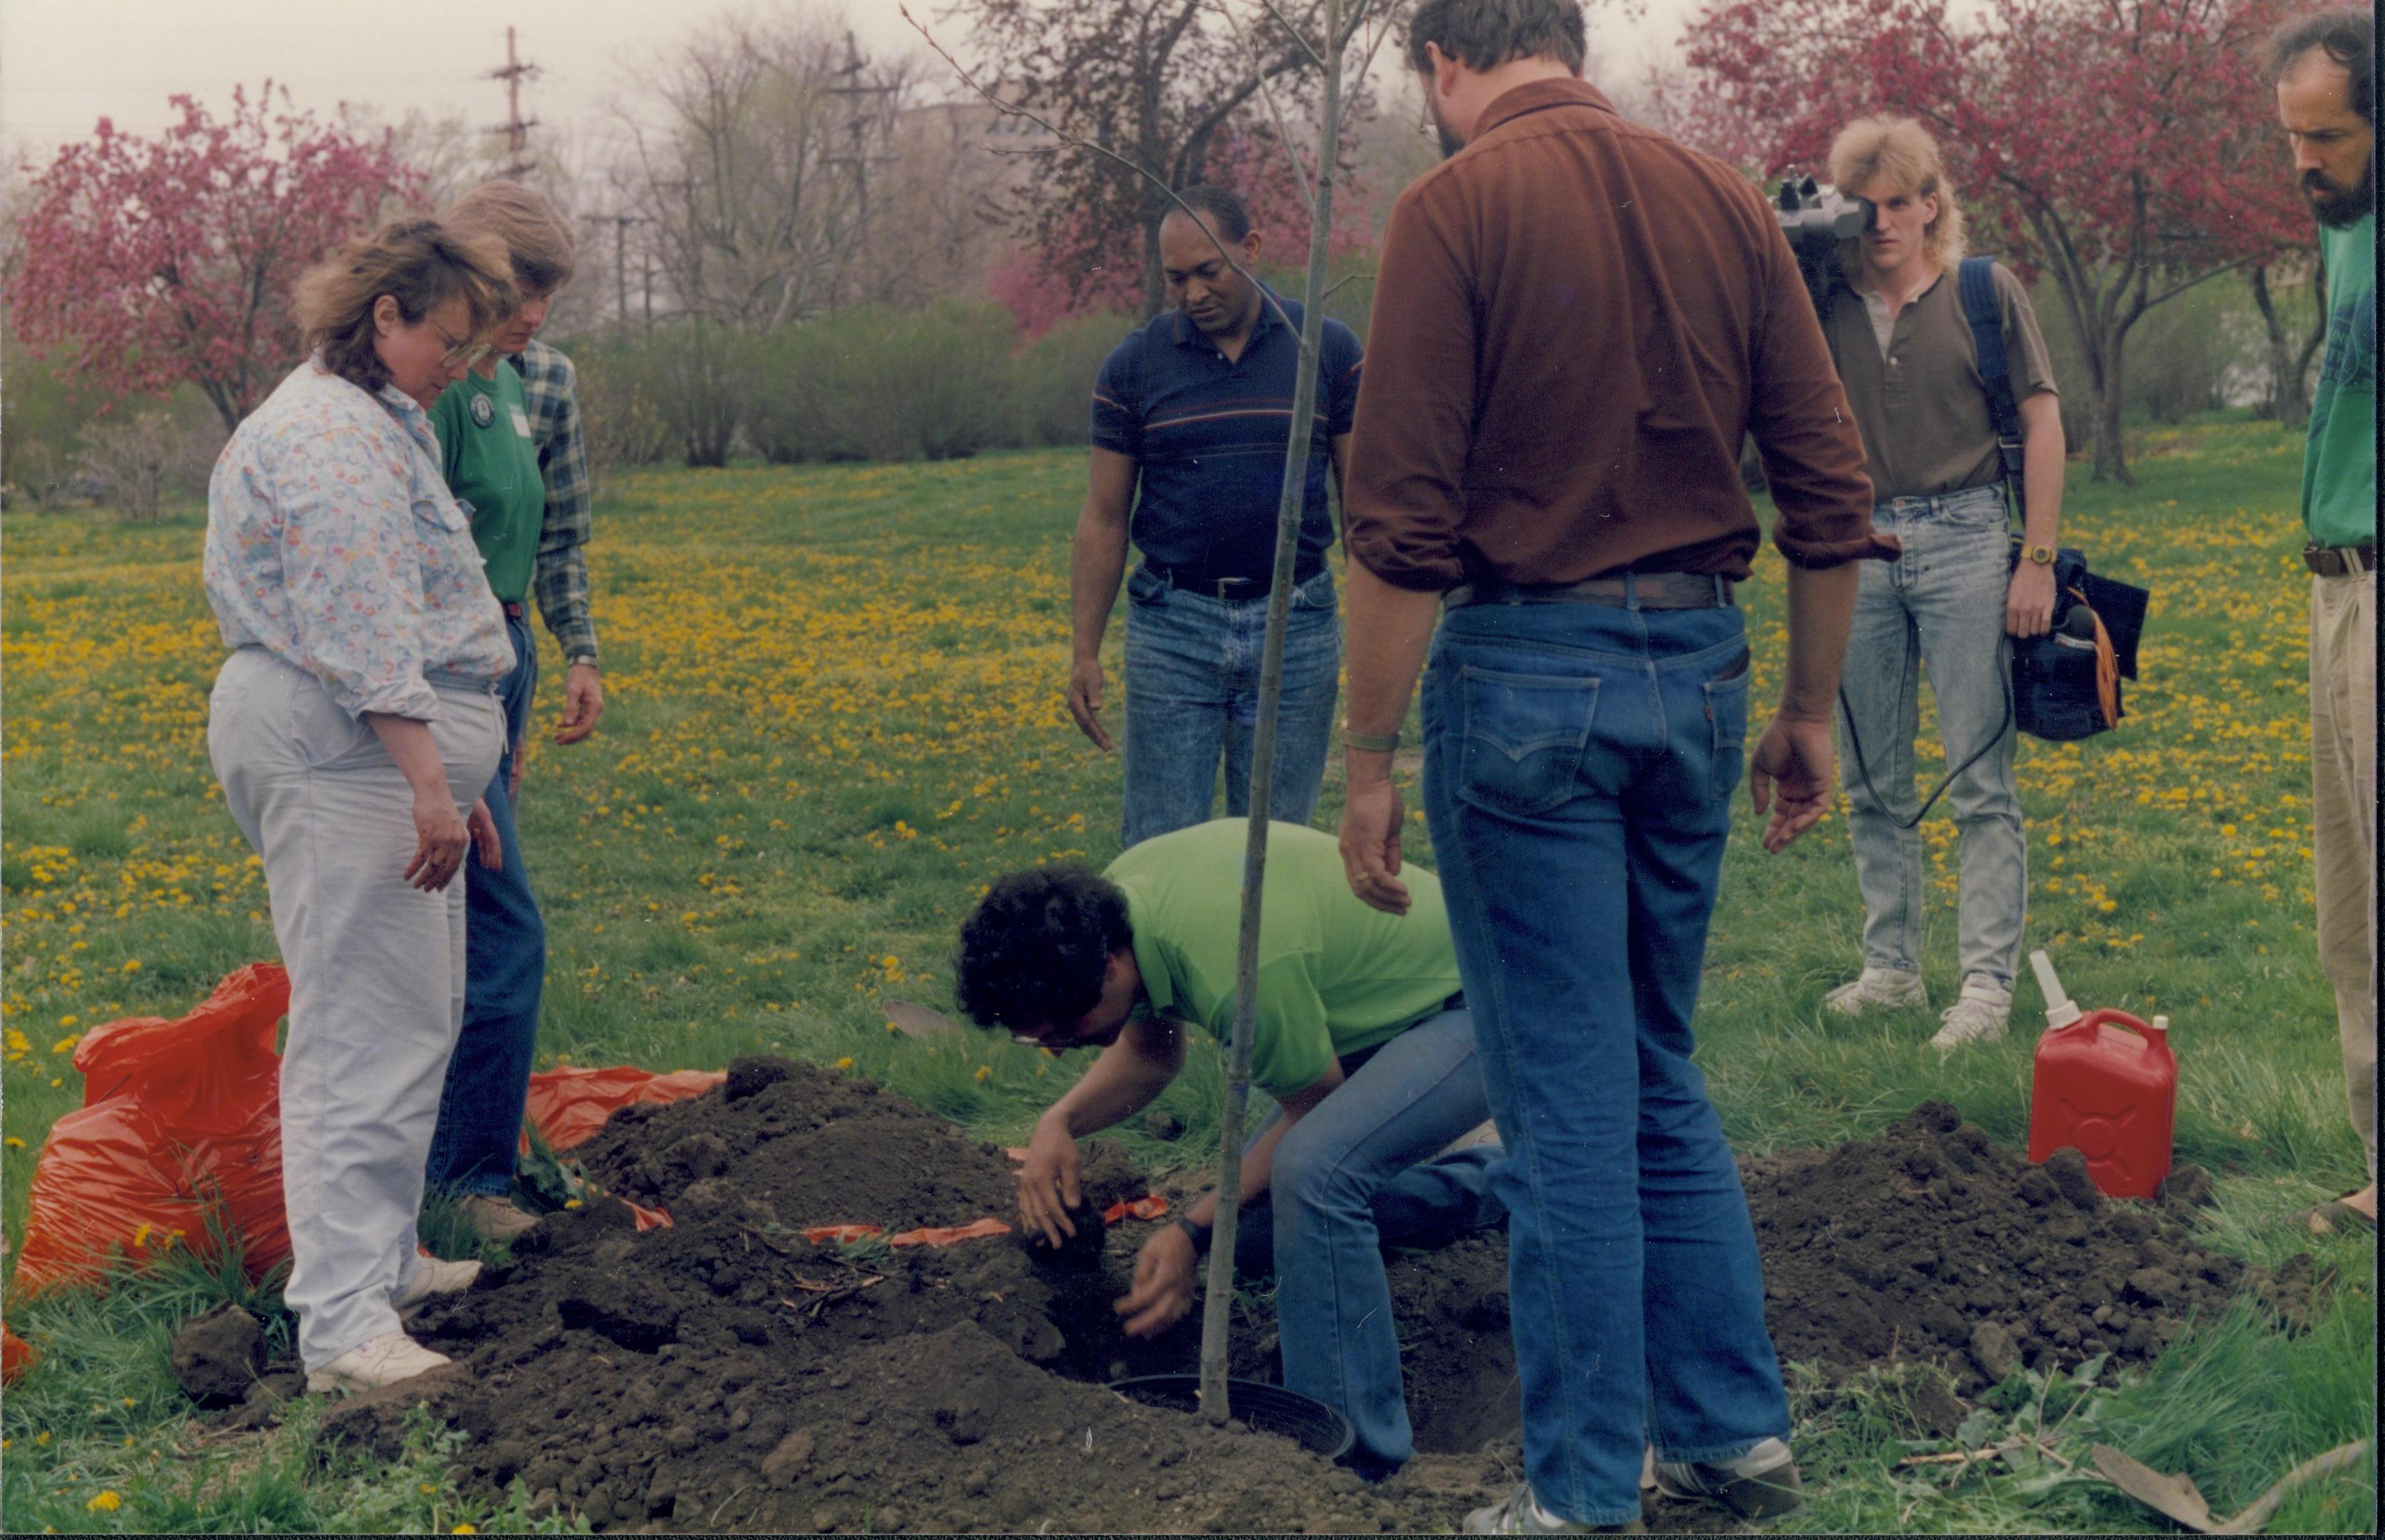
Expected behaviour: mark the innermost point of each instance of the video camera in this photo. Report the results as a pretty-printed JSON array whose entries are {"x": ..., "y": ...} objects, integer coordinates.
[{"x": 1817, "y": 219}]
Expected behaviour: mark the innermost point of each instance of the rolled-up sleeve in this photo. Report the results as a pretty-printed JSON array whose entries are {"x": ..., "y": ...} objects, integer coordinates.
[
  {"x": 1798, "y": 413},
  {"x": 350, "y": 572},
  {"x": 1415, "y": 411}
]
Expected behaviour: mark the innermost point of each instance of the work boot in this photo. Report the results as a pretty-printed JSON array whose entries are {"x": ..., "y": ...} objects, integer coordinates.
[
  {"x": 1877, "y": 989},
  {"x": 495, "y": 1219},
  {"x": 435, "y": 1277},
  {"x": 1761, "y": 1484},
  {"x": 1521, "y": 1513},
  {"x": 384, "y": 1360},
  {"x": 1979, "y": 1015}
]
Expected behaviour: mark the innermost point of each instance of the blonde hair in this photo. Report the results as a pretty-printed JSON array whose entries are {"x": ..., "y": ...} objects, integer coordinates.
[
  {"x": 535, "y": 232},
  {"x": 1887, "y": 156},
  {"x": 422, "y": 264}
]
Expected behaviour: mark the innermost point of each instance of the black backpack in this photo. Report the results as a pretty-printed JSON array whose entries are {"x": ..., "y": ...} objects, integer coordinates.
[{"x": 2065, "y": 684}]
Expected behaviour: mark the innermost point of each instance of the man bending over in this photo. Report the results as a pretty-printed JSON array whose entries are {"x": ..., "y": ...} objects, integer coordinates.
[{"x": 1362, "y": 1040}]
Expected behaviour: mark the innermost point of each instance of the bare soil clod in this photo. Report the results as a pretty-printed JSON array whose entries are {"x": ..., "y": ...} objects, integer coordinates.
[{"x": 726, "y": 1374}]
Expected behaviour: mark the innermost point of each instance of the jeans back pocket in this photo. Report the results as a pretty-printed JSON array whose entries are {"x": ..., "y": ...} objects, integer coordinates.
[
  {"x": 1726, "y": 697},
  {"x": 1523, "y": 738}
]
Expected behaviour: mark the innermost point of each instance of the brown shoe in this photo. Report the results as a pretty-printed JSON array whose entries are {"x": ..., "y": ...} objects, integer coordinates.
[{"x": 495, "y": 1219}]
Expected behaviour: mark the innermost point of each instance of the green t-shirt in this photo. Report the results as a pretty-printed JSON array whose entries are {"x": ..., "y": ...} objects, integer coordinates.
[
  {"x": 491, "y": 467},
  {"x": 1335, "y": 976},
  {"x": 2339, "y": 462}
]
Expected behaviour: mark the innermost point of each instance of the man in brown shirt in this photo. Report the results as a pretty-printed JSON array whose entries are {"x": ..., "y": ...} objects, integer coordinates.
[{"x": 1576, "y": 322}]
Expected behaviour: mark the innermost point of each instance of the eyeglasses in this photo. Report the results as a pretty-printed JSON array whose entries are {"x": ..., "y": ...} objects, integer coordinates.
[{"x": 460, "y": 355}]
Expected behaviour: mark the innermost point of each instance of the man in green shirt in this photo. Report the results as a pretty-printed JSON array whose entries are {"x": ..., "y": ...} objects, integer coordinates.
[
  {"x": 2326, "y": 102},
  {"x": 1362, "y": 1040}
]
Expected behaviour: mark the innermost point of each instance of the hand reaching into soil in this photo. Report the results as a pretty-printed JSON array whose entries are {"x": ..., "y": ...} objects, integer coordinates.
[
  {"x": 1050, "y": 1182},
  {"x": 1162, "y": 1294}
]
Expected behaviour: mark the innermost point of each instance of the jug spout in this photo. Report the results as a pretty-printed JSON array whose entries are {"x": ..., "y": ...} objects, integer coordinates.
[{"x": 2059, "y": 1009}]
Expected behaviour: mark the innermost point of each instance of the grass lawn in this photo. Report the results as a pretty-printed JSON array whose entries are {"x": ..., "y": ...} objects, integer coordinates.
[{"x": 835, "y": 713}]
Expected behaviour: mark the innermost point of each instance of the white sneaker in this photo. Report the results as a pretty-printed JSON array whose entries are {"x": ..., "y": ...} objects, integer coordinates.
[
  {"x": 495, "y": 1219},
  {"x": 1979, "y": 1015},
  {"x": 1878, "y": 989},
  {"x": 435, "y": 1277},
  {"x": 384, "y": 1360}
]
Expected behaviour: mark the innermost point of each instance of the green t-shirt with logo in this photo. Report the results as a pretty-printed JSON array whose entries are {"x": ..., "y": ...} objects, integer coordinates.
[
  {"x": 2339, "y": 462},
  {"x": 492, "y": 466},
  {"x": 1335, "y": 976}
]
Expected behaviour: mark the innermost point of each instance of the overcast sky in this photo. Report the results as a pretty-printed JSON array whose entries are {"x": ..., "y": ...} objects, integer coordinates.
[{"x": 65, "y": 64}]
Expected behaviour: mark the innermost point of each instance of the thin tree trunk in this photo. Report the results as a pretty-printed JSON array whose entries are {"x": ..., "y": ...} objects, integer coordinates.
[
  {"x": 2288, "y": 403},
  {"x": 1216, "y": 1313},
  {"x": 2318, "y": 337},
  {"x": 2111, "y": 449}
]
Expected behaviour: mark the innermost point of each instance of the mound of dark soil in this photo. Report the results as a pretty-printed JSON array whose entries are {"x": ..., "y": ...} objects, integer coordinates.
[
  {"x": 726, "y": 1374},
  {"x": 1933, "y": 1242}
]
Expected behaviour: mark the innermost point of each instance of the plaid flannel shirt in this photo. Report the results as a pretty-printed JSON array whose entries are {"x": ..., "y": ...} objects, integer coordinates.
[{"x": 561, "y": 581}]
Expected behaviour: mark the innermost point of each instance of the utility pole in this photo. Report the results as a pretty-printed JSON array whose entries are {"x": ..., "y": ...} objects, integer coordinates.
[
  {"x": 856, "y": 128},
  {"x": 515, "y": 128},
  {"x": 620, "y": 223}
]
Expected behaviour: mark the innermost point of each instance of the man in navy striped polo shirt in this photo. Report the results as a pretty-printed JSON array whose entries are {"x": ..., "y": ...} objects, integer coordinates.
[{"x": 1192, "y": 415}]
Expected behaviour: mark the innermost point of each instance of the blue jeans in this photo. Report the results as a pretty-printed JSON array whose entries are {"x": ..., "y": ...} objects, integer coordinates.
[
  {"x": 1940, "y": 605},
  {"x": 488, "y": 1079},
  {"x": 1579, "y": 767},
  {"x": 1356, "y": 1174},
  {"x": 1192, "y": 691}
]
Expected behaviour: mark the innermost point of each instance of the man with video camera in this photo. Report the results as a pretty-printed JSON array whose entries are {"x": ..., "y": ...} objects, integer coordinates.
[{"x": 1898, "y": 329}]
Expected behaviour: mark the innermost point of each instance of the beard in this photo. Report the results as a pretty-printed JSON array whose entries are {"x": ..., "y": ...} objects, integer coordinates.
[
  {"x": 1450, "y": 142},
  {"x": 2338, "y": 207}
]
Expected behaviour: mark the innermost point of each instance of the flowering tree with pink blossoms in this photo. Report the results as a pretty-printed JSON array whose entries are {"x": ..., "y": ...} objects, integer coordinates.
[{"x": 150, "y": 261}]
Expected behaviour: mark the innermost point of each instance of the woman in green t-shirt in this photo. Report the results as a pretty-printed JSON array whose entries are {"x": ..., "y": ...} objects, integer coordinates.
[{"x": 492, "y": 464}]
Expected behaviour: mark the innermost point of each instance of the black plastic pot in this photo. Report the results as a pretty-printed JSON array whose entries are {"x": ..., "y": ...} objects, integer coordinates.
[{"x": 1270, "y": 1408}]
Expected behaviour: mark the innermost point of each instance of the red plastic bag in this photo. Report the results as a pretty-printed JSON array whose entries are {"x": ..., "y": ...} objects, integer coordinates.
[
  {"x": 178, "y": 1141},
  {"x": 16, "y": 1356},
  {"x": 569, "y": 1105}
]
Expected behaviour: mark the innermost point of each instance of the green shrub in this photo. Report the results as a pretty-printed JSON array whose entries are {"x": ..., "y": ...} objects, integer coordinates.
[
  {"x": 1055, "y": 376},
  {"x": 621, "y": 421},
  {"x": 885, "y": 385},
  {"x": 696, "y": 374}
]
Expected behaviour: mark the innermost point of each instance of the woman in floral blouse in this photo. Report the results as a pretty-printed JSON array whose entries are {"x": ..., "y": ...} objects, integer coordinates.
[{"x": 352, "y": 727}]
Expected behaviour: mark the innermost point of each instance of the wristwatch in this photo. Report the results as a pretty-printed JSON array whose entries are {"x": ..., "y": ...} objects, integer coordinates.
[{"x": 2041, "y": 555}]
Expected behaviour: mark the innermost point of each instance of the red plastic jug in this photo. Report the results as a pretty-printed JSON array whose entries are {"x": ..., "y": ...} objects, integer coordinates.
[{"x": 2106, "y": 1084}]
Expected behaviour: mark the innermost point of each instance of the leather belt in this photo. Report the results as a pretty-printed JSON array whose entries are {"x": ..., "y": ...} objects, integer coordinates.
[
  {"x": 2341, "y": 561},
  {"x": 1229, "y": 589},
  {"x": 1632, "y": 591}
]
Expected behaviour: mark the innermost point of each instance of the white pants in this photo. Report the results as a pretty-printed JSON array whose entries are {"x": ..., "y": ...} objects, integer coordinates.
[
  {"x": 2343, "y": 824},
  {"x": 376, "y": 974}
]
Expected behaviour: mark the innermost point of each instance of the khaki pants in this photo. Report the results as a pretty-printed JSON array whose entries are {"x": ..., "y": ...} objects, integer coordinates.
[{"x": 2343, "y": 824}]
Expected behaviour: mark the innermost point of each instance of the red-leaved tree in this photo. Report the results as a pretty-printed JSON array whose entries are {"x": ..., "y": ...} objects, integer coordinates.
[
  {"x": 1149, "y": 93},
  {"x": 146, "y": 262},
  {"x": 1073, "y": 268},
  {"x": 2125, "y": 148}
]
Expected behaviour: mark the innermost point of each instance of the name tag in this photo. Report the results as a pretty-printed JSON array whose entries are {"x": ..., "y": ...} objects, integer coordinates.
[{"x": 521, "y": 423}]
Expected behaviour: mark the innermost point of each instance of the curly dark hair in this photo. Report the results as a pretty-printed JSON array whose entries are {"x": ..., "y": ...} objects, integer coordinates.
[{"x": 1034, "y": 951}]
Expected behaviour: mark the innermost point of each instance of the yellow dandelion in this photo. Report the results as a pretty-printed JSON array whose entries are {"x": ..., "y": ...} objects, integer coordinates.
[
  {"x": 984, "y": 1073},
  {"x": 107, "y": 1502},
  {"x": 846, "y": 1063}
]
